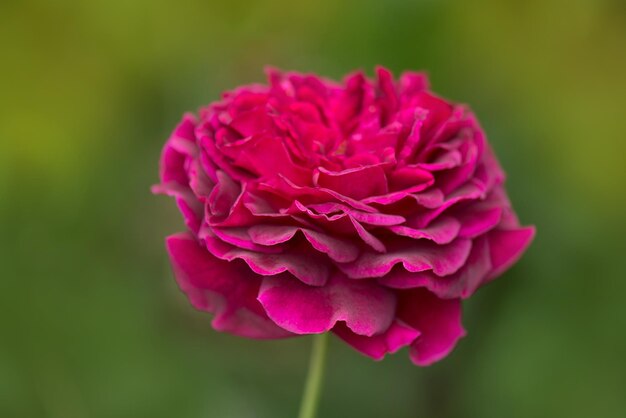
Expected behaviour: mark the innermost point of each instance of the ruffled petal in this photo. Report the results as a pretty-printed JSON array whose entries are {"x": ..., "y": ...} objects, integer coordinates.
[
  {"x": 309, "y": 268},
  {"x": 337, "y": 249},
  {"x": 366, "y": 307},
  {"x": 414, "y": 256},
  {"x": 228, "y": 290},
  {"x": 442, "y": 231},
  {"x": 461, "y": 284}
]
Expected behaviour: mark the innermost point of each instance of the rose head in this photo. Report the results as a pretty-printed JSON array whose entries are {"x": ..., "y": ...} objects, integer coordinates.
[{"x": 366, "y": 208}]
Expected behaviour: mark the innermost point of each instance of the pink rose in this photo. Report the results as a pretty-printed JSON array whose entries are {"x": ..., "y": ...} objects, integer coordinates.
[{"x": 369, "y": 208}]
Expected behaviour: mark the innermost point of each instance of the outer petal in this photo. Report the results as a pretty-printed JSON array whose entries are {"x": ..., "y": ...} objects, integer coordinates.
[
  {"x": 438, "y": 320},
  {"x": 226, "y": 289},
  {"x": 366, "y": 307},
  {"x": 507, "y": 246},
  {"x": 398, "y": 335},
  {"x": 188, "y": 204},
  {"x": 178, "y": 148}
]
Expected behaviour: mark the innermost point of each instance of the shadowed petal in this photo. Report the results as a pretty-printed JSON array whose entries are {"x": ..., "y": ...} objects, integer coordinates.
[
  {"x": 228, "y": 290},
  {"x": 438, "y": 320},
  {"x": 337, "y": 249},
  {"x": 414, "y": 256},
  {"x": 309, "y": 268},
  {"x": 398, "y": 335}
]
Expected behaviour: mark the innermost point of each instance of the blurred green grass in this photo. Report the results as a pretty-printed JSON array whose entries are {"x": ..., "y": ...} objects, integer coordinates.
[{"x": 91, "y": 323}]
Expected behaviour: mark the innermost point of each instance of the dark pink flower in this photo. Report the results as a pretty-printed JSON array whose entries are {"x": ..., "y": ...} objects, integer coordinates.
[{"x": 369, "y": 208}]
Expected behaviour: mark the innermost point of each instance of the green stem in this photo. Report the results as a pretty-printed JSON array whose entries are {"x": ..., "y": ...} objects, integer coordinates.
[{"x": 313, "y": 385}]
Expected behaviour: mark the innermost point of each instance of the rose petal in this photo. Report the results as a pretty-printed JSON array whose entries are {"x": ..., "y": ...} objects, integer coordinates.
[
  {"x": 470, "y": 191},
  {"x": 356, "y": 183},
  {"x": 414, "y": 256},
  {"x": 461, "y": 284},
  {"x": 398, "y": 335},
  {"x": 387, "y": 98},
  {"x": 367, "y": 237},
  {"x": 366, "y": 307},
  {"x": 172, "y": 167},
  {"x": 363, "y": 217},
  {"x": 438, "y": 321},
  {"x": 223, "y": 195},
  {"x": 188, "y": 204},
  {"x": 412, "y": 83},
  {"x": 507, "y": 246},
  {"x": 199, "y": 182},
  {"x": 287, "y": 189},
  {"x": 228, "y": 290},
  {"x": 299, "y": 261},
  {"x": 240, "y": 237},
  {"x": 183, "y": 138},
  {"x": 449, "y": 180},
  {"x": 337, "y": 249},
  {"x": 410, "y": 179},
  {"x": 265, "y": 156},
  {"x": 441, "y": 231}
]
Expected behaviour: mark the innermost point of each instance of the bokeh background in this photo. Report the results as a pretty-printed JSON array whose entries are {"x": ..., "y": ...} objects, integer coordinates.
[{"x": 91, "y": 322}]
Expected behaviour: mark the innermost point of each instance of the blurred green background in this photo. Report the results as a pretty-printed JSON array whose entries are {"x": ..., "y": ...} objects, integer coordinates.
[{"x": 91, "y": 322}]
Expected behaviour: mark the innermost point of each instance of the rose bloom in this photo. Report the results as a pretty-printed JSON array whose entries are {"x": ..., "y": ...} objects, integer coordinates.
[{"x": 368, "y": 208}]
